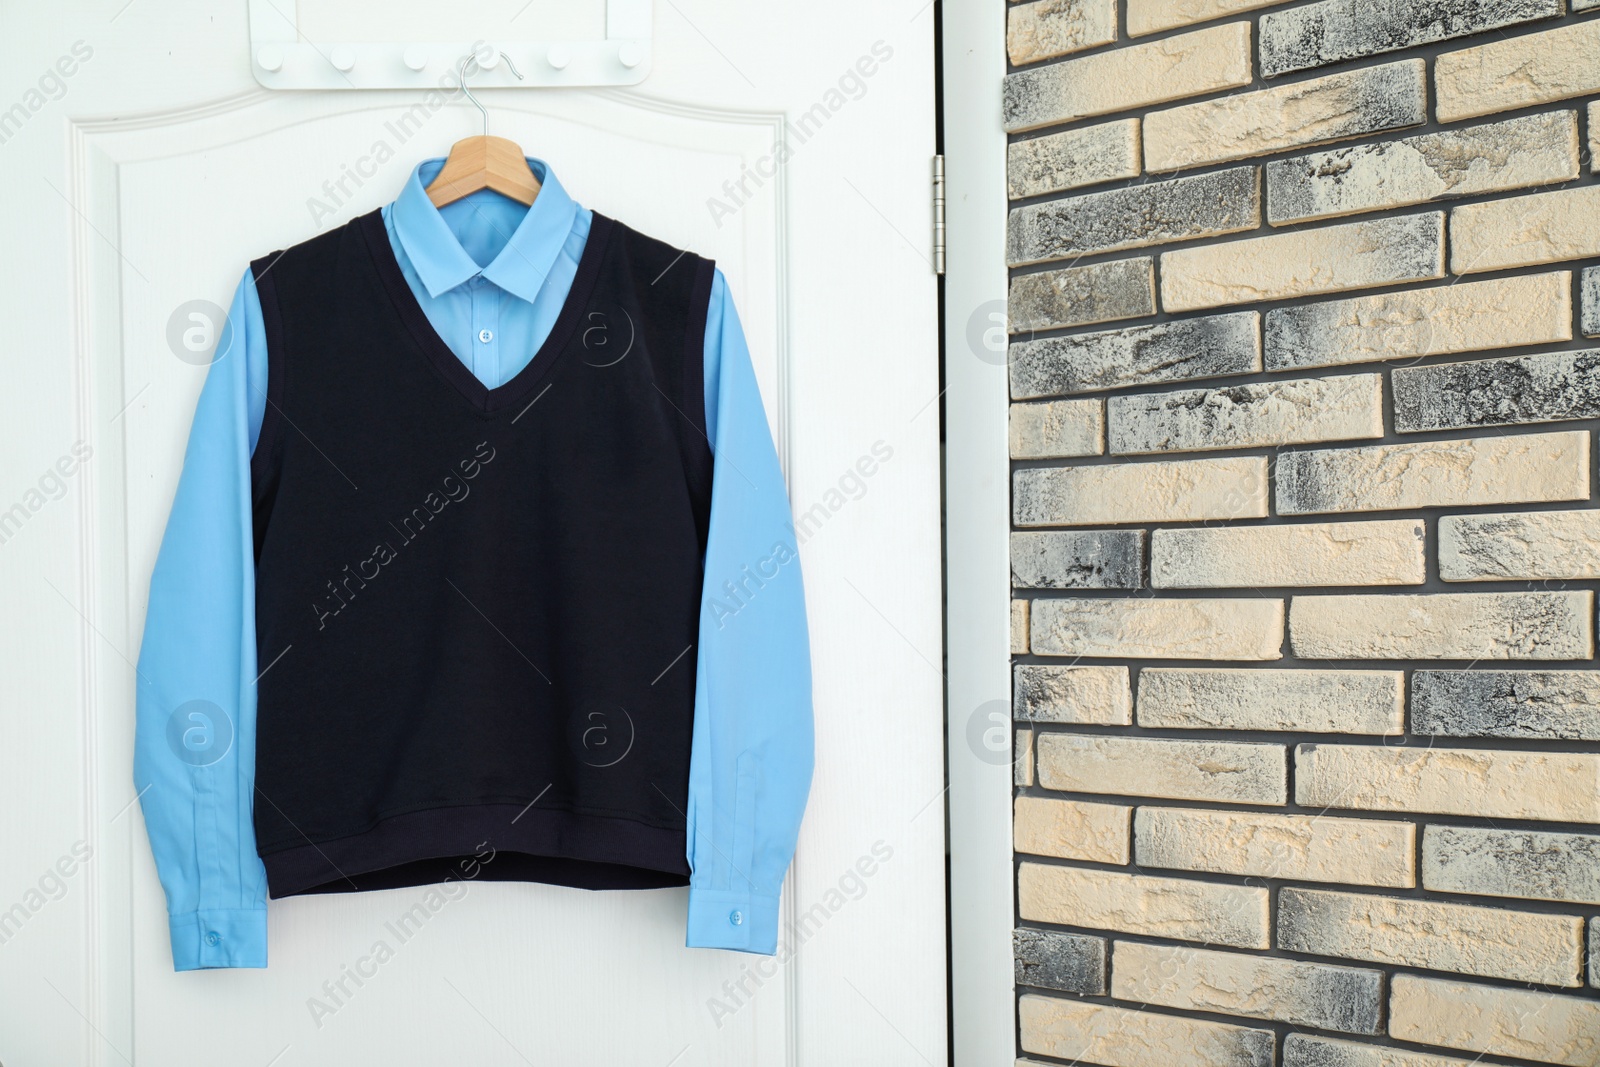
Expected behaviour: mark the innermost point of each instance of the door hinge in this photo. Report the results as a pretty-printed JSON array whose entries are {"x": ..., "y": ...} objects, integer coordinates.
[{"x": 938, "y": 214}]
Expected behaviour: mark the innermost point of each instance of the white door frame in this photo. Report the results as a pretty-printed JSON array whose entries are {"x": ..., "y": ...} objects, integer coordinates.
[{"x": 977, "y": 571}]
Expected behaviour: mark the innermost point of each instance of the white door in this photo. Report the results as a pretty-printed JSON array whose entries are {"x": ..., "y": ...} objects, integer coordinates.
[{"x": 142, "y": 168}]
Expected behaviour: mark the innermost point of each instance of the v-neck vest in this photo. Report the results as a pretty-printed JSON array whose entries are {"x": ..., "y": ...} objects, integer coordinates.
[{"x": 476, "y": 609}]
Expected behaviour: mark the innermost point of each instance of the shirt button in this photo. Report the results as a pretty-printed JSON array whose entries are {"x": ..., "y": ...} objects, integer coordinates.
[
  {"x": 213, "y": 938},
  {"x": 486, "y": 336},
  {"x": 736, "y": 918}
]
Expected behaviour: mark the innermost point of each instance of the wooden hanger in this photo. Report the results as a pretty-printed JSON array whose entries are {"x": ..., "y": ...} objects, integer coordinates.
[{"x": 484, "y": 162}]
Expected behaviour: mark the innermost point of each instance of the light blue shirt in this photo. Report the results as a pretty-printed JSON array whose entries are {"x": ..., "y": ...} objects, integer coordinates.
[{"x": 491, "y": 276}]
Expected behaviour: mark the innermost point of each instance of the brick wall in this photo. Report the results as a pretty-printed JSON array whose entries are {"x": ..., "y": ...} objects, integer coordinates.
[{"x": 1306, "y": 531}]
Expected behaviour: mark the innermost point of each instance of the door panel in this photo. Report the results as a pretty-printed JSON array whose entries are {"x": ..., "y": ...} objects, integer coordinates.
[{"x": 145, "y": 189}]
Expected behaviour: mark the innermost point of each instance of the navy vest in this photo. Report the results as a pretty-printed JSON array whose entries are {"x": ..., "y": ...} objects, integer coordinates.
[{"x": 476, "y": 609}]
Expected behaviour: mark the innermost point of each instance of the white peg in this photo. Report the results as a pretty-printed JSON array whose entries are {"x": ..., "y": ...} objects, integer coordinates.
[
  {"x": 269, "y": 57},
  {"x": 416, "y": 57},
  {"x": 343, "y": 57},
  {"x": 630, "y": 55},
  {"x": 559, "y": 56}
]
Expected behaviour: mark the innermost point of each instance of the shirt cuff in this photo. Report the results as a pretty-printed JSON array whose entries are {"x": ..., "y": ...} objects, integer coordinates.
[
  {"x": 219, "y": 938},
  {"x": 740, "y": 921}
]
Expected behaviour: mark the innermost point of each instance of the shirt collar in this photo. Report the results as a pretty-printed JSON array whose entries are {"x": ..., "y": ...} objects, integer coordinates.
[{"x": 520, "y": 268}]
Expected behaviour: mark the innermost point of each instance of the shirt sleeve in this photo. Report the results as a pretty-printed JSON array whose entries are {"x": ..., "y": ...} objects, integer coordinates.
[
  {"x": 194, "y": 736},
  {"x": 751, "y": 759}
]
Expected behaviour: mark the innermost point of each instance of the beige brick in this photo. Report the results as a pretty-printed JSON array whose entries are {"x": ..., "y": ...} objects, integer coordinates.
[
  {"x": 1460, "y": 317},
  {"x": 1535, "y": 68},
  {"x": 1073, "y": 159},
  {"x": 1527, "y": 546},
  {"x": 1236, "y": 983},
  {"x": 1019, "y": 627},
  {"x": 1310, "y": 848},
  {"x": 1051, "y": 28},
  {"x": 1071, "y": 829},
  {"x": 1184, "y": 909},
  {"x": 1340, "y": 408},
  {"x": 1522, "y": 864},
  {"x": 1528, "y": 625},
  {"x": 1127, "y": 79},
  {"x": 1211, "y": 698},
  {"x": 1514, "y": 154},
  {"x": 1482, "y": 783},
  {"x": 1525, "y": 1023},
  {"x": 1509, "y": 469},
  {"x": 1022, "y": 760},
  {"x": 1314, "y": 1050},
  {"x": 1153, "y": 16},
  {"x": 1332, "y": 108},
  {"x": 1408, "y": 932},
  {"x": 1179, "y": 491},
  {"x": 1076, "y": 694},
  {"x": 1236, "y": 628},
  {"x": 1521, "y": 231},
  {"x": 1242, "y": 772},
  {"x": 1082, "y": 296},
  {"x": 1330, "y": 259},
  {"x": 1059, "y": 429},
  {"x": 1378, "y": 552},
  {"x": 1085, "y": 1032}
]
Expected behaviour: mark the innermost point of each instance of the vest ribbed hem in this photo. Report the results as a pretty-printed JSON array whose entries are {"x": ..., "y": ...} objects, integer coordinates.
[{"x": 493, "y": 842}]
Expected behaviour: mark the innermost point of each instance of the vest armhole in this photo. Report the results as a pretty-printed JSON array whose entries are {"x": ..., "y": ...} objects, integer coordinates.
[
  {"x": 694, "y": 345},
  {"x": 272, "y": 417}
]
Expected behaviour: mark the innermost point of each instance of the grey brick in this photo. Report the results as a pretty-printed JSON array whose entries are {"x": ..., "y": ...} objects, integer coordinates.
[
  {"x": 1302, "y": 411},
  {"x": 1053, "y": 959},
  {"x": 1073, "y": 158},
  {"x": 1310, "y": 1050},
  {"x": 1336, "y": 30},
  {"x": 1081, "y": 296},
  {"x": 1136, "y": 216},
  {"x": 1485, "y": 470},
  {"x": 1048, "y": 692},
  {"x": 1594, "y": 925},
  {"x": 1524, "y": 864},
  {"x": 1514, "y": 154},
  {"x": 1078, "y": 559},
  {"x": 1590, "y": 286},
  {"x": 1550, "y": 705},
  {"x": 1208, "y": 347},
  {"x": 1550, "y": 387}
]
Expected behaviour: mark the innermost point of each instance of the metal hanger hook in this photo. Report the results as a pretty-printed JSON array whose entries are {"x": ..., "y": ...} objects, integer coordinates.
[{"x": 472, "y": 57}]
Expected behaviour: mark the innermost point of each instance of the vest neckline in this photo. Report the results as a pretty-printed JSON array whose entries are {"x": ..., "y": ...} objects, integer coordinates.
[{"x": 446, "y": 361}]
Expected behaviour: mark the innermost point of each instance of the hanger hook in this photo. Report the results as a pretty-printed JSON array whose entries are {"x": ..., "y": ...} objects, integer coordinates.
[{"x": 472, "y": 57}]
